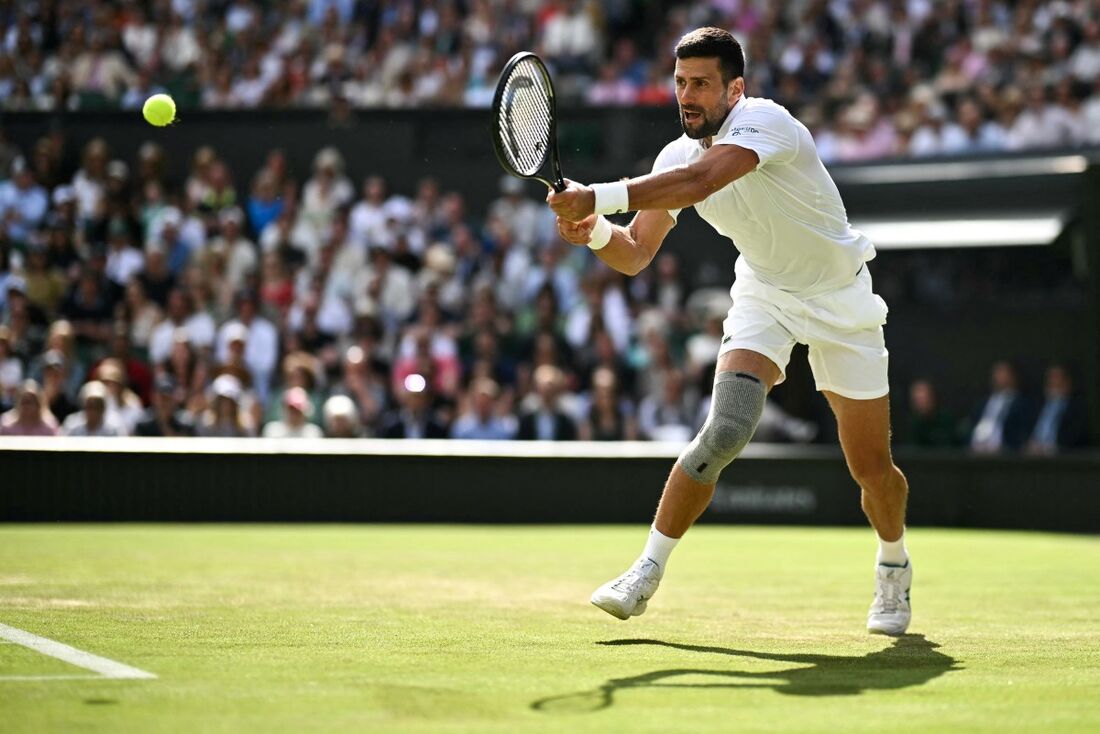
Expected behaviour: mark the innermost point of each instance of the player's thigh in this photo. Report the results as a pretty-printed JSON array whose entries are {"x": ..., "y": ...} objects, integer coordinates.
[
  {"x": 851, "y": 363},
  {"x": 755, "y": 340},
  {"x": 754, "y": 363},
  {"x": 864, "y": 429}
]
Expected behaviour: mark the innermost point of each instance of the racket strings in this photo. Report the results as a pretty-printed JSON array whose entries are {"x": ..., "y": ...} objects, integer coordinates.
[{"x": 525, "y": 119}]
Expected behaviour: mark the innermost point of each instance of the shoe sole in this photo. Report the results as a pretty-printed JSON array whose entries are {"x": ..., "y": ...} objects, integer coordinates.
[
  {"x": 887, "y": 633},
  {"x": 611, "y": 608},
  {"x": 617, "y": 611}
]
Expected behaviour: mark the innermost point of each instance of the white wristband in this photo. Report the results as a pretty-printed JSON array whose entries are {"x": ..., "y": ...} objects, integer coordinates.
[
  {"x": 601, "y": 234},
  {"x": 612, "y": 198}
]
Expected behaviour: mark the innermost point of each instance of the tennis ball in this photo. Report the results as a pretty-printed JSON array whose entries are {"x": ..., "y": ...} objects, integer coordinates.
[{"x": 159, "y": 110}]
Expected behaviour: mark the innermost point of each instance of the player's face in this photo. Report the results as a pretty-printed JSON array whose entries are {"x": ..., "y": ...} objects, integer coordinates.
[{"x": 704, "y": 99}]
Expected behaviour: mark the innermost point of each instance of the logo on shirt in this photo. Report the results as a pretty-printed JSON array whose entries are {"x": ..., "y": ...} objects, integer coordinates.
[{"x": 743, "y": 130}]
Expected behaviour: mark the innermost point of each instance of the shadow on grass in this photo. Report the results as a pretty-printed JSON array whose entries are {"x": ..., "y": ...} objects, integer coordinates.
[{"x": 910, "y": 661}]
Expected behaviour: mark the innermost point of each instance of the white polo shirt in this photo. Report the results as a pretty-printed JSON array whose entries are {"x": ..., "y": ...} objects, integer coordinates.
[{"x": 786, "y": 216}]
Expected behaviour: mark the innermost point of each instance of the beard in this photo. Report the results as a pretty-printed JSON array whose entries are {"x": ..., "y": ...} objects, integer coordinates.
[{"x": 707, "y": 124}]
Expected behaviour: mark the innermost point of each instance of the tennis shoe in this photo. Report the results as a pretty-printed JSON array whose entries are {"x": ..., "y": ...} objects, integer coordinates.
[
  {"x": 890, "y": 611},
  {"x": 627, "y": 596}
]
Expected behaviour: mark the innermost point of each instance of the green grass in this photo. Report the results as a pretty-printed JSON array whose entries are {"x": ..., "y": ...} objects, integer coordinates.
[{"x": 476, "y": 629}]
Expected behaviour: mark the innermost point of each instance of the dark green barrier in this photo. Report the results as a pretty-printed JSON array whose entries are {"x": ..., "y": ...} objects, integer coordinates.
[{"x": 324, "y": 484}]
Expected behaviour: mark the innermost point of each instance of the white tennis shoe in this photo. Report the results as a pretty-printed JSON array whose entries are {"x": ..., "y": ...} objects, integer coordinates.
[
  {"x": 626, "y": 596},
  {"x": 890, "y": 612}
]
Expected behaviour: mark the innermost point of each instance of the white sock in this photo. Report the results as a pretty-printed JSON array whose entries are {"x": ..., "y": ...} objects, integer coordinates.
[
  {"x": 659, "y": 547},
  {"x": 893, "y": 553}
]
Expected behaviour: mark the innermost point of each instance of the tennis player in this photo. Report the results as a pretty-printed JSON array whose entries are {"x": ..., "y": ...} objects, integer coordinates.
[{"x": 751, "y": 170}]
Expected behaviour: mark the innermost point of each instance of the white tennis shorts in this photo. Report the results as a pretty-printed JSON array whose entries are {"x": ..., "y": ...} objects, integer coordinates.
[{"x": 843, "y": 330}]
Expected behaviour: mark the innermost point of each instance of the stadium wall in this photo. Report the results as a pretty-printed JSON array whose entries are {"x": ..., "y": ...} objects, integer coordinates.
[{"x": 227, "y": 480}]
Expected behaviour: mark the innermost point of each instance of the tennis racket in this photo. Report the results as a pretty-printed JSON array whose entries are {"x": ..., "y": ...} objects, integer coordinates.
[{"x": 524, "y": 121}]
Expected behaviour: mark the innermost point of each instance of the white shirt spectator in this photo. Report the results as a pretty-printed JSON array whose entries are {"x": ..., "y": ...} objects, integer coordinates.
[
  {"x": 140, "y": 40},
  {"x": 280, "y": 429},
  {"x": 261, "y": 351},
  {"x": 240, "y": 259},
  {"x": 77, "y": 425},
  {"x": 124, "y": 263},
  {"x": 89, "y": 193},
  {"x": 199, "y": 327},
  {"x": 616, "y": 319},
  {"x": 1050, "y": 126},
  {"x": 570, "y": 34}
]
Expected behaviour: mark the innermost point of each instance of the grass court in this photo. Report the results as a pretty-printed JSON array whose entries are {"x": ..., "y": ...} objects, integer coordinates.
[{"x": 447, "y": 629}]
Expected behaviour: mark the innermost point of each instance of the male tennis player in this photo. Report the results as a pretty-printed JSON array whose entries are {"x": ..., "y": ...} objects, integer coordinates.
[{"x": 751, "y": 170}]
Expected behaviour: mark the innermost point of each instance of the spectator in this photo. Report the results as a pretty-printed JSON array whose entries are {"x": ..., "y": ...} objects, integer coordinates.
[
  {"x": 123, "y": 260},
  {"x": 1003, "y": 422},
  {"x": 165, "y": 418},
  {"x": 31, "y": 415},
  {"x": 546, "y": 422},
  {"x": 45, "y": 283},
  {"x": 297, "y": 411},
  {"x": 609, "y": 417},
  {"x": 124, "y": 408},
  {"x": 23, "y": 202},
  {"x": 264, "y": 205},
  {"x": 341, "y": 418},
  {"x": 262, "y": 346},
  {"x": 930, "y": 426},
  {"x": 520, "y": 215},
  {"x": 1062, "y": 423},
  {"x": 481, "y": 420},
  {"x": 53, "y": 386},
  {"x": 668, "y": 415},
  {"x": 142, "y": 316},
  {"x": 11, "y": 369},
  {"x": 414, "y": 418},
  {"x": 198, "y": 328},
  {"x": 93, "y": 419},
  {"x": 89, "y": 308},
  {"x": 101, "y": 73},
  {"x": 224, "y": 418}
]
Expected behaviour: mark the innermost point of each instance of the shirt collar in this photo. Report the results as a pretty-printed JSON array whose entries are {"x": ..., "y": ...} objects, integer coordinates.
[{"x": 722, "y": 131}]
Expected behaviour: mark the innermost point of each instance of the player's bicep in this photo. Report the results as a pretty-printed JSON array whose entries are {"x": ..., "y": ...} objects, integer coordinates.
[
  {"x": 723, "y": 164},
  {"x": 649, "y": 229}
]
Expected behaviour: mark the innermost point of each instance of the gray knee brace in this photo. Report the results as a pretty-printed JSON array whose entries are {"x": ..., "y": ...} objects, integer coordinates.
[{"x": 735, "y": 409}]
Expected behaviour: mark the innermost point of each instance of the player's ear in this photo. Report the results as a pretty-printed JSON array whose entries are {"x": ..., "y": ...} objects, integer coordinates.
[{"x": 736, "y": 87}]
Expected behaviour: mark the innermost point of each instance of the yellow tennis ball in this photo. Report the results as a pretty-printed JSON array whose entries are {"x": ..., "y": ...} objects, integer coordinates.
[{"x": 159, "y": 110}]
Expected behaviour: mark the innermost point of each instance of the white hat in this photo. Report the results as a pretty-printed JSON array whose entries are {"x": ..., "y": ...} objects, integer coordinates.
[
  {"x": 227, "y": 386},
  {"x": 236, "y": 332}
]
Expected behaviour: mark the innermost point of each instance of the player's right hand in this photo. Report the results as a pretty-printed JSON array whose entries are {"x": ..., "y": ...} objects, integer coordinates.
[{"x": 577, "y": 233}]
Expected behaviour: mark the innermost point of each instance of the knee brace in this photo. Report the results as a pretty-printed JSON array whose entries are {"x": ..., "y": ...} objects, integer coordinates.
[{"x": 735, "y": 409}]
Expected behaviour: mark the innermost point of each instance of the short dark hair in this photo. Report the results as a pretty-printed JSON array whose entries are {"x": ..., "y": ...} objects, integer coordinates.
[{"x": 708, "y": 42}]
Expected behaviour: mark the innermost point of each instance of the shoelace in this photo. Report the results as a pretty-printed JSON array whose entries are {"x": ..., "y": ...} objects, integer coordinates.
[
  {"x": 630, "y": 580},
  {"x": 890, "y": 594}
]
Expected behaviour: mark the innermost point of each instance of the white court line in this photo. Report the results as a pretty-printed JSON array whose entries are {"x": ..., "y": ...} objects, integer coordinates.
[
  {"x": 105, "y": 667},
  {"x": 51, "y": 677}
]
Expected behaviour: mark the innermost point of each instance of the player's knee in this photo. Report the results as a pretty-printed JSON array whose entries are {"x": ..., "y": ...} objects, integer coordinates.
[
  {"x": 736, "y": 406},
  {"x": 871, "y": 471}
]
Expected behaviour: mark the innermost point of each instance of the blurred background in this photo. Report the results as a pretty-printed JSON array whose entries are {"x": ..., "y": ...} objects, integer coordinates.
[{"x": 323, "y": 244}]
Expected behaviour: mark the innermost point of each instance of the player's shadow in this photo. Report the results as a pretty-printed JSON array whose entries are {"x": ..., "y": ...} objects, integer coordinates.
[{"x": 910, "y": 661}]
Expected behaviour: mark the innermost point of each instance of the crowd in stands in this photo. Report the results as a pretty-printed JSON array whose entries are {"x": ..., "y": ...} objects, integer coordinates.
[
  {"x": 312, "y": 305},
  {"x": 871, "y": 78},
  {"x": 1009, "y": 419},
  {"x": 317, "y": 305}
]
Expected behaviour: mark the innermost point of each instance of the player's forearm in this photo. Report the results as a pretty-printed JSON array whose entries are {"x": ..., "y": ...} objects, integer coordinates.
[
  {"x": 623, "y": 253},
  {"x": 674, "y": 188}
]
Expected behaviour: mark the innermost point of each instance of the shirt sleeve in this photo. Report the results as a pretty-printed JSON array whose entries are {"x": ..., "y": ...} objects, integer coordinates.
[
  {"x": 666, "y": 159},
  {"x": 772, "y": 135}
]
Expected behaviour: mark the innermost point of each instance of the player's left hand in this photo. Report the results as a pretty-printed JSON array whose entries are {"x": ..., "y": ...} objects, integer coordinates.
[{"x": 574, "y": 204}]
